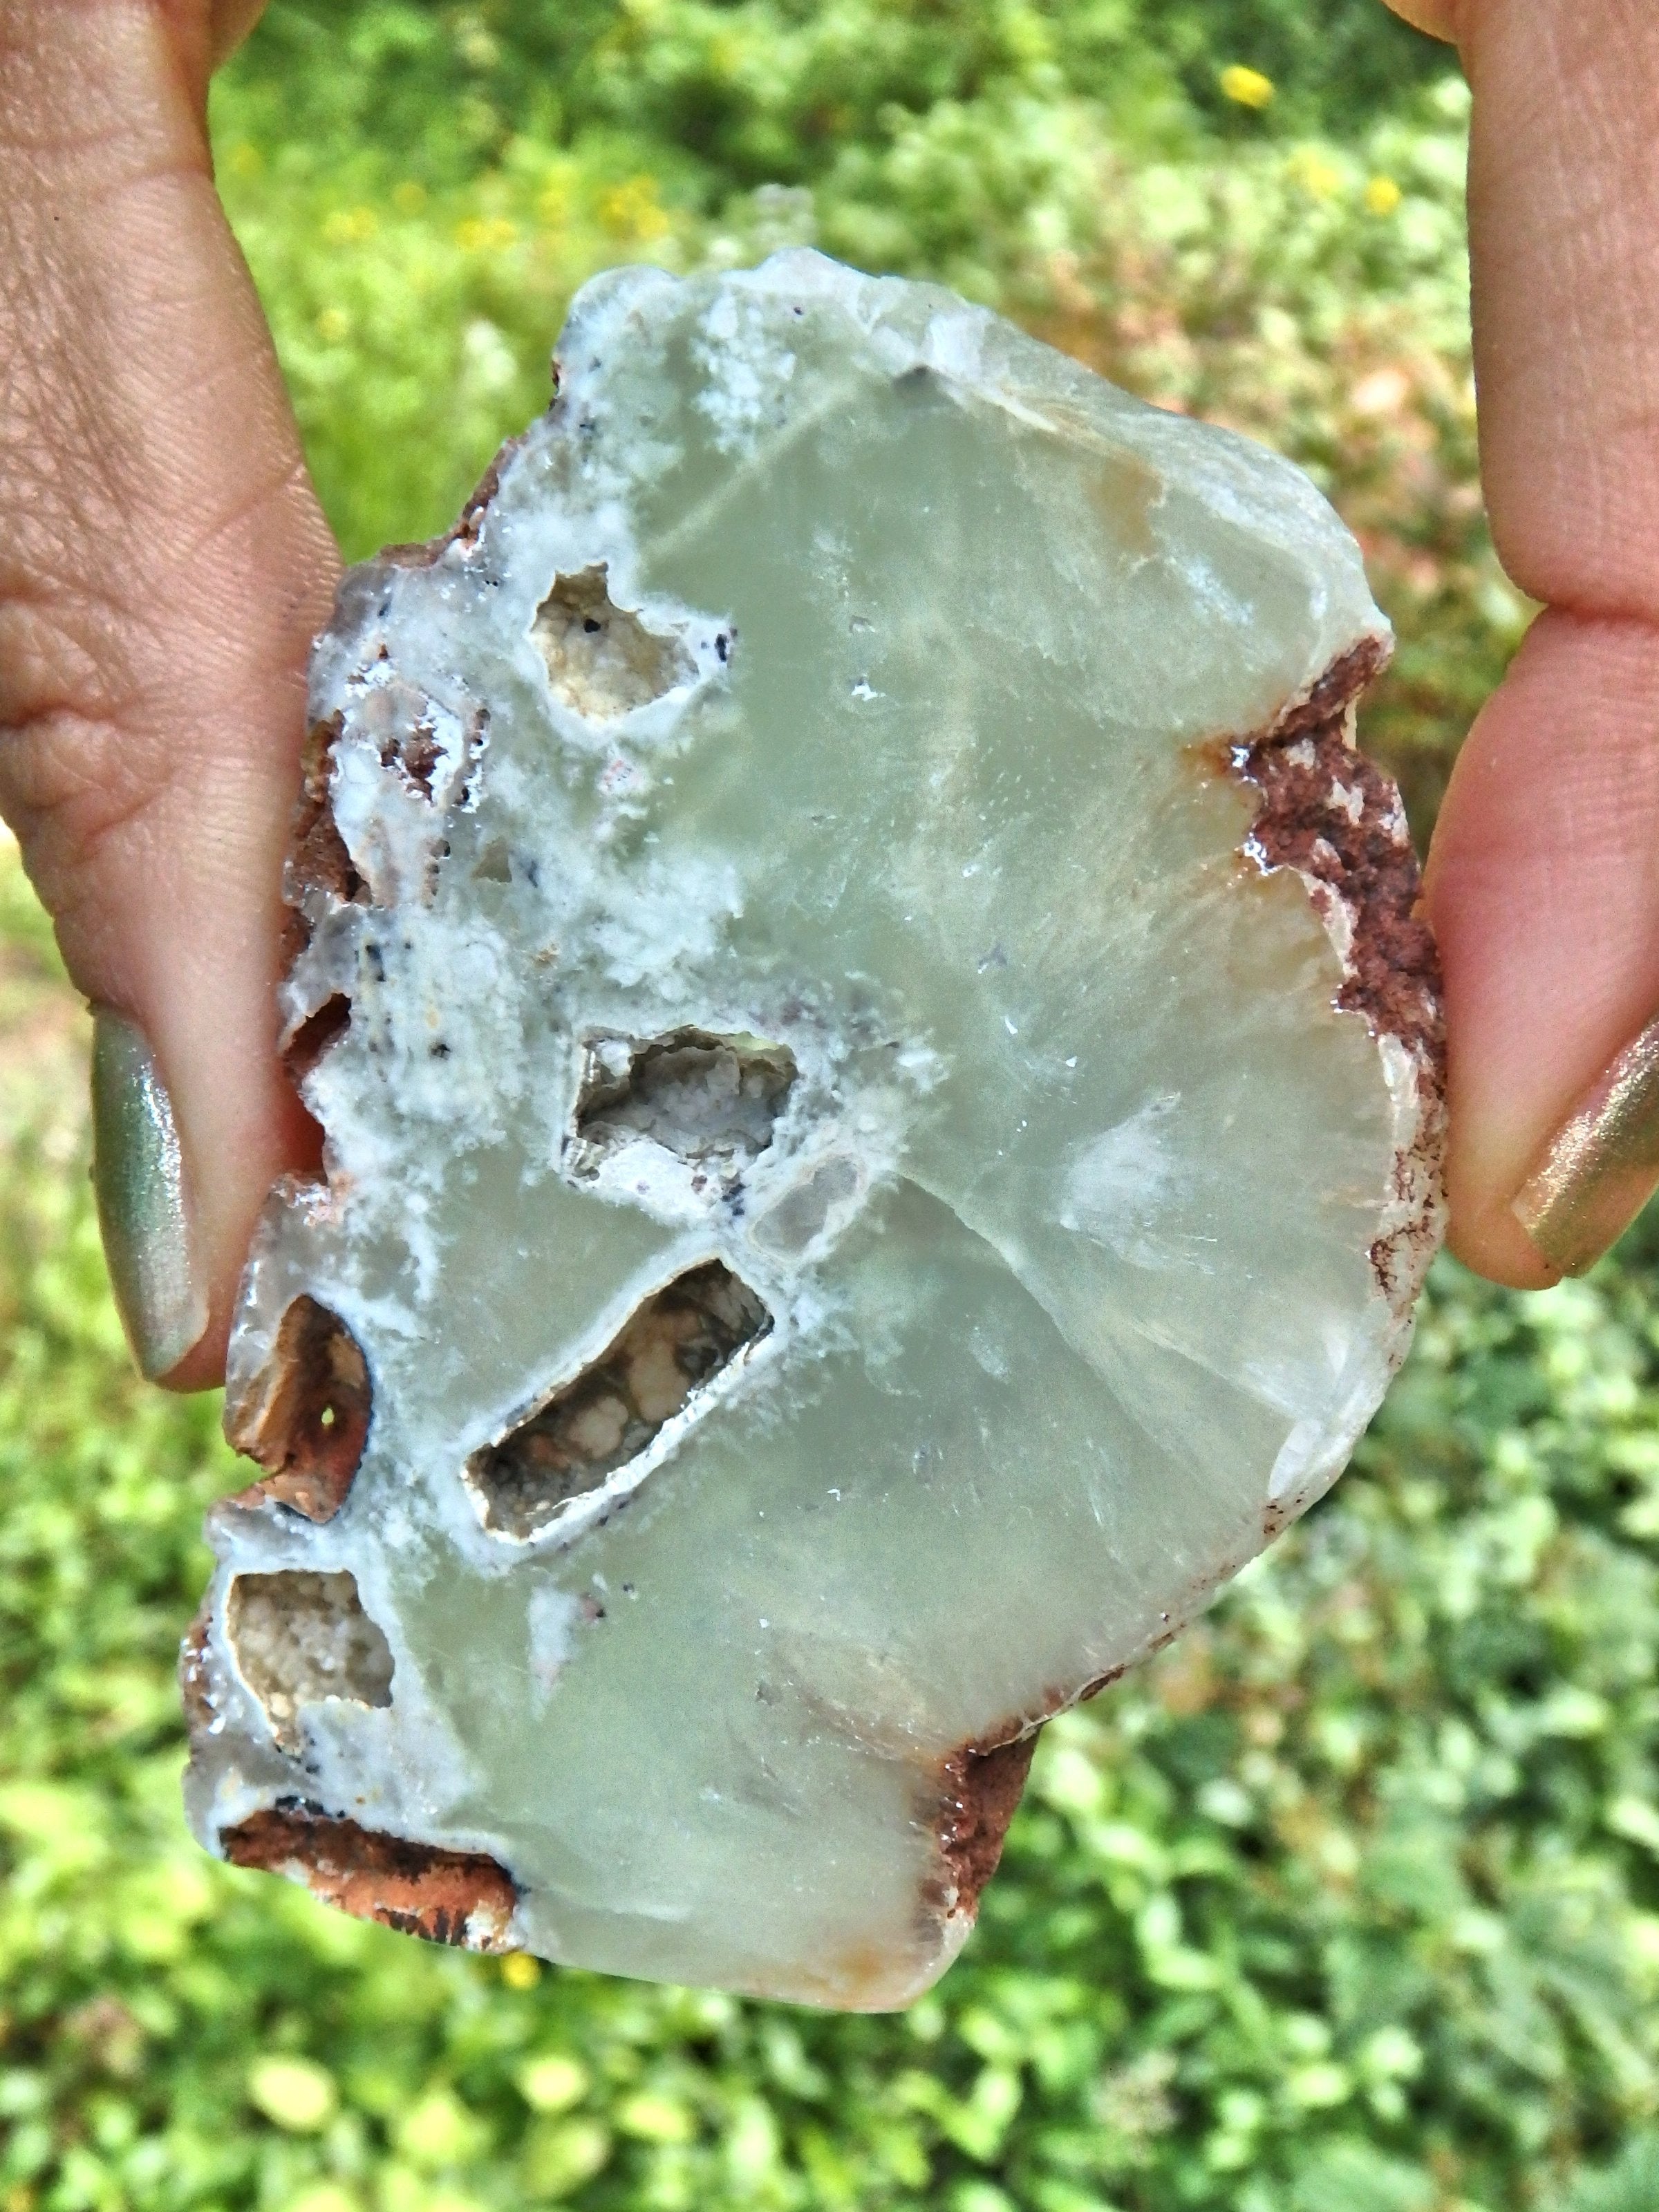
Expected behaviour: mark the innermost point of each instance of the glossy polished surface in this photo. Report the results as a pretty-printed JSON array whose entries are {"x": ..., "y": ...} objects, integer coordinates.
[{"x": 846, "y": 1169}]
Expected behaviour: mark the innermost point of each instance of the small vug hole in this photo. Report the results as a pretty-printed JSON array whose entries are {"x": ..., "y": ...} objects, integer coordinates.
[
  {"x": 306, "y": 1417},
  {"x": 298, "y": 1637},
  {"x": 671, "y": 1351},
  {"x": 602, "y": 659},
  {"x": 708, "y": 1098}
]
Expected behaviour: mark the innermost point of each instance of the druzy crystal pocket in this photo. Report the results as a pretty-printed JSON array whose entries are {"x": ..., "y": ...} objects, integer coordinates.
[{"x": 881, "y": 1089}]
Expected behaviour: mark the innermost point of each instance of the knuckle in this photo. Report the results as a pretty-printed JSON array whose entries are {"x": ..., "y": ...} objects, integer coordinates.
[{"x": 78, "y": 762}]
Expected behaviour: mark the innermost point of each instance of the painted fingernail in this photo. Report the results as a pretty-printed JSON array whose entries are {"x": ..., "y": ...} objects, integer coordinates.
[
  {"x": 144, "y": 1203},
  {"x": 1599, "y": 1169}
]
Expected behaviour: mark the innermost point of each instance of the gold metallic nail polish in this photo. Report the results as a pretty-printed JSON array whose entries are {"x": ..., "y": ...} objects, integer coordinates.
[
  {"x": 143, "y": 1206},
  {"x": 1598, "y": 1170}
]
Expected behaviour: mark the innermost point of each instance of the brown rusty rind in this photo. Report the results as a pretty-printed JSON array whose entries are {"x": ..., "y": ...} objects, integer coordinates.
[
  {"x": 307, "y": 1044},
  {"x": 425, "y": 553},
  {"x": 974, "y": 1794},
  {"x": 317, "y": 860},
  {"x": 1365, "y": 857},
  {"x": 316, "y": 1368},
  {"x": 979, "y": 1792},
  {"x": 1328, "y": 811},
  {"x": 460, "y": 1898},
  {"x": 977, "y": 1789},
  {"x": 463, "y": 1898},
  {"x": 195, "y": 1680}
]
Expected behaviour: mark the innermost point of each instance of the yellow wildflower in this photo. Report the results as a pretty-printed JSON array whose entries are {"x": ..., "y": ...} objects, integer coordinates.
[
  {"x": 1383, "y": 196},
  {"x": 1246, "y": 88}
]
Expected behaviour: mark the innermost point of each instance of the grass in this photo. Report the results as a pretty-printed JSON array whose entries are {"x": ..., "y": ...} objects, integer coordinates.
[{"x": 1349, "y": 1903}]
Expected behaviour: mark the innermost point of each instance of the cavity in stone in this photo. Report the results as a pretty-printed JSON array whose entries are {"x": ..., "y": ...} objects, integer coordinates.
[
  {"x": 673, "y": 1348},
  {"x": 601, "y": 659},
  {"x": 300, "y": 1636},
  {"x": 708, "y": 1099},
  {"x": 304, "y": 1416}
]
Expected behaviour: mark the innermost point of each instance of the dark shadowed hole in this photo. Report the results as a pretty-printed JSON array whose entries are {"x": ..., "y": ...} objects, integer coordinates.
[
  {"x": 707, "y": 1098},
  {"x": 673, "y": 1346},
  {"x": 315, "y": 1035}
]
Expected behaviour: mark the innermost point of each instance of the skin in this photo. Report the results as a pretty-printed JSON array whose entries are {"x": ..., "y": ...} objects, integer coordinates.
[
  {"x": 150, "y": 724},
  {"x": 1541, "y": 883}
]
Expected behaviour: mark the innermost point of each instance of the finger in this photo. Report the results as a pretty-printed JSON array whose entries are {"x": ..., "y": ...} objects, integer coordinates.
[
  {"x": 201, "y": 33},
  {"x": 1434, "y": 16},
  {"x": 231, "y": 21},
  {"x": 163, "y": 565},
  {"x": 1542, "y": 883},
  {"x": 1544, "y": 897}
]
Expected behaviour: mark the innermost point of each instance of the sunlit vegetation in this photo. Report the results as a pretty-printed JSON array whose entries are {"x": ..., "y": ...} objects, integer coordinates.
[{"x": 1351, "y": 1902}]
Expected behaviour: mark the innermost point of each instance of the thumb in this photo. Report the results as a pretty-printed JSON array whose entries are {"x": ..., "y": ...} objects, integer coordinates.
[
  {"x": 1438, "y": 18},
  {"x": 163, "y": 566}
]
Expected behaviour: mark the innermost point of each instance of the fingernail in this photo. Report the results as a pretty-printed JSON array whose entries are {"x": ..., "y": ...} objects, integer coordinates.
[
  {"x": 143, "y": 1205},
  {"x": 1598, "y": 1170}
]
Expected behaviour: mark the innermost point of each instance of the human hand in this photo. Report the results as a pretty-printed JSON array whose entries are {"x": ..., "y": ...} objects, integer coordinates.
[
  {"x": 1543, "y": 879},
  {"x": 163, "y": 565}
]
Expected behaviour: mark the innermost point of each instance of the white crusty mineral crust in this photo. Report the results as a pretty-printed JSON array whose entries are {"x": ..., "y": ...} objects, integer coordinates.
[{"x": 882, "y": 1097}]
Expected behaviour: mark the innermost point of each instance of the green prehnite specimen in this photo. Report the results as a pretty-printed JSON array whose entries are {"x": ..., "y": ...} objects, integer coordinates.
[{"x": 882, "y": 1095}]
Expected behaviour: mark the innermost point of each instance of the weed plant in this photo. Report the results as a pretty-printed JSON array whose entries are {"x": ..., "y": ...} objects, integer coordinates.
[{"x": 1350, "y": 1902}]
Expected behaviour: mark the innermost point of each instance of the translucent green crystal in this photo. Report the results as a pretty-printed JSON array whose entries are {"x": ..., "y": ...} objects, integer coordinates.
[{"x": 881, "y": 1115}]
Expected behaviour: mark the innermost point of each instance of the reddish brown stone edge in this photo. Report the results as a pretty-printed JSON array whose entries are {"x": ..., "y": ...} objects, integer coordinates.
[
  {"x": 317, "y": 857},
  {"x": 979, "y": 1793},
  {"x": 978, "y": 1790},
  {"x": 195, "y": 1687},
  {"x": 425, "y": 552},
  {"x": 459, "y": 1898},
  {"x": 1364, "y": 853},
  {"x": 306, "y": 1417},
  {"x": 1328, "y": 811}
]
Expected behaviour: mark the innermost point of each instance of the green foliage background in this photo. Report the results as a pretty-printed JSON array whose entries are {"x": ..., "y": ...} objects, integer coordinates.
[{"x": 1350, "y": 1902}]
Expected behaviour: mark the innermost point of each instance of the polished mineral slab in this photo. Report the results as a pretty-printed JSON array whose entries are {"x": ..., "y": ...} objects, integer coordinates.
[{"x": 881, "y": 1086}]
